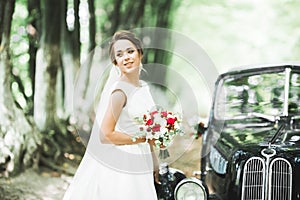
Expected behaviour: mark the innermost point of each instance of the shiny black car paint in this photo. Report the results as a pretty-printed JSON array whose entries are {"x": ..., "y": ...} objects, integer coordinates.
[{"x": 239, "y": 139}]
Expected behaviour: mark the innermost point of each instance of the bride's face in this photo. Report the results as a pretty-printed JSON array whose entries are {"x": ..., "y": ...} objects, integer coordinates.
[{"x": 127, "y": 56}]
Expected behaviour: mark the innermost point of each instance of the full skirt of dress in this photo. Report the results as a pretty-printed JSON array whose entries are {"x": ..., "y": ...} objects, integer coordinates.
[{"x": 95, "y": 180}]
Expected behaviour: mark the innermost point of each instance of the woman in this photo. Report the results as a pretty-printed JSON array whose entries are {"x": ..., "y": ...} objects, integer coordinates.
[{"x": 114, "y": 166}]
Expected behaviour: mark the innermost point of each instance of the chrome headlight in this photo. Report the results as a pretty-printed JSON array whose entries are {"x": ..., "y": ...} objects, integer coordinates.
[{"x": 190, "y": 189}]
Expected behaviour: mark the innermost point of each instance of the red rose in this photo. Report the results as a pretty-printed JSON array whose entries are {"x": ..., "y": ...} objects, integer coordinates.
[
  {"x": 156, "y": 128},
  {"x": 149, "y": 122},
  {"x": 171, "y": 120},
  {"x": 164, "y": 114},
  {"x": 153, "y": 113}
]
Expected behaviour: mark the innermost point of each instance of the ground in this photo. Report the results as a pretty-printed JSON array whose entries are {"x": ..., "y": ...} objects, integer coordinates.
[{"x": 44, "y": 184}]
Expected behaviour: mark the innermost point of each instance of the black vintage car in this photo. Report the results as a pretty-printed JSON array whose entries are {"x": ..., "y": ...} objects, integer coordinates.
[{"x": 251, "y": 146}]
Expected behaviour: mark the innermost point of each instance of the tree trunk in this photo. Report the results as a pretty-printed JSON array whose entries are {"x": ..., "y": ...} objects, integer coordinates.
[
  {"x": 86, "y": 67},
  {"x": 47, "y": 64},
  {"x": 53, "y": 81},
  {"x": 70, "y": 54},
  {"x": 33, "y": 29},
  {"x": 18, "y": 139},
  {"x": 92, "y": 26}
]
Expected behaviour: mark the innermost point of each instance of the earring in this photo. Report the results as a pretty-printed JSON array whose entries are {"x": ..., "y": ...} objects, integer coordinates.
[
  {"x": 141, "y": 67},
  {"x": 118, "y": 70}
]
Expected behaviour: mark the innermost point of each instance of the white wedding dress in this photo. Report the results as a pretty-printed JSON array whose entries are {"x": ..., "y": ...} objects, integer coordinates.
[{"x": 117, "y": 172}]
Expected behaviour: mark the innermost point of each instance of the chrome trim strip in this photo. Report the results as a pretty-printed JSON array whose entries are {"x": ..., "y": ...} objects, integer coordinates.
[
  {"x": 286, "y": 91},
  {"x": 267, "y": 153}
]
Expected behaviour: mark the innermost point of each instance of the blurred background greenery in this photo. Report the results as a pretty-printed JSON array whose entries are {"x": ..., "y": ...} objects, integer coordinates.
[
  {"x": 236, "y": 33},
  {"x": 45, "y": 42}
]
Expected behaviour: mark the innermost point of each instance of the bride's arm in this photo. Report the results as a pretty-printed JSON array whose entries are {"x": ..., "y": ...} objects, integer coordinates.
[{"x": 107, "y": 130}]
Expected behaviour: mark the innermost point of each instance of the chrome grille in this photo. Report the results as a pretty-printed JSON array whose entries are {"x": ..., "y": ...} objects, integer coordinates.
[
  {"x": 280, "y": 187},
  {"x": 253, "y": 179}
]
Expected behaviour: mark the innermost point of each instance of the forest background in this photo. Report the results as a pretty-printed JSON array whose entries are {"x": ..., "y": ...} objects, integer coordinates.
[{"x": 45, "y": 43}]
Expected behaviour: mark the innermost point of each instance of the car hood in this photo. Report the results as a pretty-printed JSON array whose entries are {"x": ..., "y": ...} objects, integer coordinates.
[{"x": 254, "y": 138}]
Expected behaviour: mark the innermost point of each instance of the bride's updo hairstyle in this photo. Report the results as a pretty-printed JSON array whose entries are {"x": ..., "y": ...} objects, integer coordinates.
[{"x": 124, "y": 35}]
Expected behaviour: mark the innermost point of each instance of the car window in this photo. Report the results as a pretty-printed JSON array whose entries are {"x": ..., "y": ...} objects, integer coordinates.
[{"x": 261, "y": 93}]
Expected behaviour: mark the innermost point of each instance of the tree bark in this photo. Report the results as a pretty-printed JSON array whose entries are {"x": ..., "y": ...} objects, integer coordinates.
[
  {"x": 70, "y": 54},
  {"x": 92, "y": 26},
  {"x": 33, "y": 29},
  {"x": 48, "y": 62},
  {"x": 19, "y": 140}
]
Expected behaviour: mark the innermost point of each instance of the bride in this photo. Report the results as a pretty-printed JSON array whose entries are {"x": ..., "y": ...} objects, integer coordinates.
[{"x": 114, "y": 166}]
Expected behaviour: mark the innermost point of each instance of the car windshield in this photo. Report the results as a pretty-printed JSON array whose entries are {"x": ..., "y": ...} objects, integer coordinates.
[{"x": 260, "y": 95}]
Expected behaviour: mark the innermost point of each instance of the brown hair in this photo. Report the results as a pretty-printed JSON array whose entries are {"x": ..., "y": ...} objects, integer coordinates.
[{"x": 124, "y": 35}]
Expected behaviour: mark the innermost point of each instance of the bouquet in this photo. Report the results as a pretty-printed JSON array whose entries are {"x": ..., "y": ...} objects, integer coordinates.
[{"x": 161, "y": 125}]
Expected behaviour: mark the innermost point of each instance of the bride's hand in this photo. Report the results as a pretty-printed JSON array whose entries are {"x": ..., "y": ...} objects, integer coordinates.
[
  {"x": 151, "y": 142},
  {"x": 156, "y": 176}
]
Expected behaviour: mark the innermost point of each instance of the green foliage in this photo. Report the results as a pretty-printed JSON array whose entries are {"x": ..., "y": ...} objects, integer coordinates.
[{"x": 244, "y": 32}]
